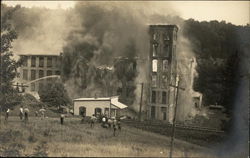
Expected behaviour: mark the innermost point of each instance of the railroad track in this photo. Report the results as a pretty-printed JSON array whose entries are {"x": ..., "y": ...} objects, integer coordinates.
[
  {"x": 202, "y": 136},
  {"x": 148, "y": 125}
]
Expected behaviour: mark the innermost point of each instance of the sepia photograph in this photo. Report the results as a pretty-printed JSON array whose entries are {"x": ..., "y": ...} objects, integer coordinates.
[{"x": 125, "y": 79}]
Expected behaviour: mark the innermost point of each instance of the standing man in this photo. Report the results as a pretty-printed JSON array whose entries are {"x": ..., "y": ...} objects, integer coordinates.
[
  {"x": 119, "y": 124},
  {"x": 26, "y": 114},
  {"x": 7, "y": 115},
  {"x": 104, "y": 121},
  {"x": 92, "y": 120},
  {"x": 21, "y": 113},
  {"x": 62, "y": 119},
  {"x": 114, "y": 125}
]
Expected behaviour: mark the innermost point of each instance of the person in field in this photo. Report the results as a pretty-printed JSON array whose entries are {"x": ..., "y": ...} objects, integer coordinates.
[
  {"x": 62, "y": 119},
  {"x": 26, "y": 114},
  {"x": 21, "y": 113},
  {"x": 119, "y": 124},
  {"x": 7, "y": 114},
  {"x": 110, "y": 122},
  {"x": 114, "y": 126},
  {"x": 104, "y": 122},
  {"x": 92, "y": 120}
]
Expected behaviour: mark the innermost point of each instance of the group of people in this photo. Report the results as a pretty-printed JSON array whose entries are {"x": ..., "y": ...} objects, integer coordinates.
[
  {"x": 24, "y": 113},
  {"x": 111, "y": 122}
]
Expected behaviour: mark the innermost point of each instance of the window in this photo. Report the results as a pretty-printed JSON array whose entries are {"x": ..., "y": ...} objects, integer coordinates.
[
  {"x": 152, "y": 112},
  {"x": 98, "y": 111},
  {"x": 165, "y": 80},
  {"x": 164, "y": 65},
  {"x": 154, "y": 80},
  {"x": 41, "y": 61},
  {"x": 166, "y": 50},
  {"x": 49, "y": 73},
  {"x": 33, "y": 74},
  {"x": 33, "y": 87},
  {"x": 164, "y": 97},
  {"x": 155, "y": 45},
  {"x": 25, "y": 74},
  {"x": 24, "y": 60},
  {"x": 153, "y": 97},
  {"x": 154, "y": 65},
  {"x": 41, "y": 73},
  {"x": 49, "y": 61},
  {"x": 33, "y": 61},
  {"x": 166, "y": 37},
  {"x": 156, "y": 36},
  {"x": 164, "y": 113}
]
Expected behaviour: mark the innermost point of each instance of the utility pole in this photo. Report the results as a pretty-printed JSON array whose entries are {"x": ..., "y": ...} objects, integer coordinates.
[
  {"x": 1, "y": 86},
  {"x": 141, "y": 101},
  {"x": 175, "y": 111}
]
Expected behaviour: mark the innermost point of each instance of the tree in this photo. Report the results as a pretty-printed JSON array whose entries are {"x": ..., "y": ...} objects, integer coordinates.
[
  {"x": 54, "y": 94},
  {"x": 8, "y": 66}
]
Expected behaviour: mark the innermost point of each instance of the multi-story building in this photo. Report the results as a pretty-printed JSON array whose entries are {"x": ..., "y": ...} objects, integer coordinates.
[
  {"x": 37, "y": 66},
  {"x": 163, "y": 68}
]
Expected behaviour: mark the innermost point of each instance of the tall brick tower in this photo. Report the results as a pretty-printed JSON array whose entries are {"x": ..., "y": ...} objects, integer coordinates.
[{"x": 163, "y": 67}]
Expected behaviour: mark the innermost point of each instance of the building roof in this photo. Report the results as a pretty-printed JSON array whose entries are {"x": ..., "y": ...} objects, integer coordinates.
[
  {"x": 92, "y": 99},
  {"x": 114, "y": 101},
  {"x": 41, "y": 54}
]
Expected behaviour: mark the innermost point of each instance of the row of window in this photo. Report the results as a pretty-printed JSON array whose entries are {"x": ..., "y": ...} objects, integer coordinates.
[
  {"x": 41, "y": 73},
  {"x": 41, "y": 62},
  {"x": 163, "y": 112},
  {"x": 166, "y": 50},
  {"x": 165, "y": 36},
  {"x": 155, "y": 65},
  {"x": 164, "y": 81},
  {"x": 156, "y": 94}
]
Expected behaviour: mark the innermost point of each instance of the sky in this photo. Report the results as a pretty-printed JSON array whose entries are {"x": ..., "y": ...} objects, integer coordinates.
[{"x": 236, "y": 12}]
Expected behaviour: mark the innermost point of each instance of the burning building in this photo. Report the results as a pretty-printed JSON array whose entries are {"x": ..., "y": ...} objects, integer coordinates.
[
  {"x": 163, "y": 66},
  {"x": 34, "y": 70}
]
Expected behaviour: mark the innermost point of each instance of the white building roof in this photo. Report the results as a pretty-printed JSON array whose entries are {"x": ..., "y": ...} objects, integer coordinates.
[
  {"x": 114, "y": 101},
  {"x": 118, "y": 104},
  {"x": 92, "y": 99}
]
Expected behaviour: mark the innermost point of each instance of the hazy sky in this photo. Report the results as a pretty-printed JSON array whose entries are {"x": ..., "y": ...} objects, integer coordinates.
[{"x": 236, "y": 12}]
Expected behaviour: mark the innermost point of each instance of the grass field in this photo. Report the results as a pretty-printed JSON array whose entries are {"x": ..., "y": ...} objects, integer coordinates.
[{"x": 49, "y": 138}]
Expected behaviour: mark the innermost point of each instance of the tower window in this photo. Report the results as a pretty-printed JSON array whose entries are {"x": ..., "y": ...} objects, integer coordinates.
[
  {"x": 152, "y": 112},
  {"x": 155, "y": 45},
  {"x": 165, "y": 65},
  {"x": 154, "y": 80},
  {"x": 153, "y": 97},
  {"x": 164, "y": 97},
  {"x": 154, "y": 65},
  {"x": 166, "y": 50},
  {"x": 166, "y": 37}
]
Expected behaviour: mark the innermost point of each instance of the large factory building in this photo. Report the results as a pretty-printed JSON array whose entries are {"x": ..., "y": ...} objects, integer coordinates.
[
  {"x": 163, "y": 67},
  {"x": 35, "y": 67}
]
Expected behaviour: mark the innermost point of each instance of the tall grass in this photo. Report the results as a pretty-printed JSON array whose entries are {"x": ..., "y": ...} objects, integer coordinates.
[{"x": 49, "y": 138}]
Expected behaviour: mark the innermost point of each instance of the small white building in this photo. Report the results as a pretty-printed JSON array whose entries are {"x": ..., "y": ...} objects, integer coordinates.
[{"x": 110, "y": 106}]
